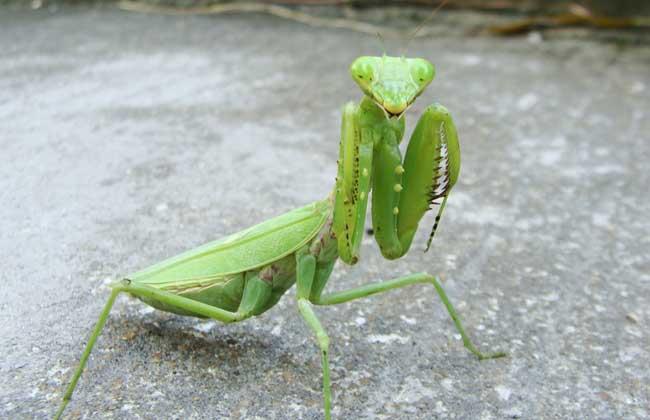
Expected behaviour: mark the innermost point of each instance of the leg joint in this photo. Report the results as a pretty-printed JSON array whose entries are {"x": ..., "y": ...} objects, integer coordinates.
[{"x": 323, "y": 341}]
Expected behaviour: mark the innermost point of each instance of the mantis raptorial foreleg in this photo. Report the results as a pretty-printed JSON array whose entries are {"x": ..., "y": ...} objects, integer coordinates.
[
  {"x": 429, "y": 171},
  {"x": 403, "y": 190},
  {"x": 352, "y": 183},
  {"x": 434, "y": 136}
]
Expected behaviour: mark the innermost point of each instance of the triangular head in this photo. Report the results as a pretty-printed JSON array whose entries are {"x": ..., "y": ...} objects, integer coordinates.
[{"x": 393, "y": 83}]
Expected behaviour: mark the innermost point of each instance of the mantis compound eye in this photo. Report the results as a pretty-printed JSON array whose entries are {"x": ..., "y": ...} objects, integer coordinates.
[
  {"x": 422, "y": 72},
  {"x": 363, "y": 72}
]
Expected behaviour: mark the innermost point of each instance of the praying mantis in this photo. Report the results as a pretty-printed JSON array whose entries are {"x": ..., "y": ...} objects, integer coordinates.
[{"x": 245, "y": 274}]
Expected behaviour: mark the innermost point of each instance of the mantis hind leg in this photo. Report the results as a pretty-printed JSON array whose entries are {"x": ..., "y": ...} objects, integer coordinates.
[
  {"x": 256, "y": 294},
  {"x": 84, "y": 357},
  {"x": 421, "y": 278},
  {"x": 138, "y": 290}
]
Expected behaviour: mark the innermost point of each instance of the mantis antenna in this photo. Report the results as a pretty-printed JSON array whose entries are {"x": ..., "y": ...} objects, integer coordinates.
[
  {"x": 383, "y": 42},
  {"x": 421, "y": 24}
]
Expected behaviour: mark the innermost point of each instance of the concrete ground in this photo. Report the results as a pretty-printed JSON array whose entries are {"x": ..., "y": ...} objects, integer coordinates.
[{"x": 126, "y": 138}]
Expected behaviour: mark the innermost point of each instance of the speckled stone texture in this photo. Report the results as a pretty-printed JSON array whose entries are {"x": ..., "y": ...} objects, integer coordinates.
[{"x": 127, "y": 138}]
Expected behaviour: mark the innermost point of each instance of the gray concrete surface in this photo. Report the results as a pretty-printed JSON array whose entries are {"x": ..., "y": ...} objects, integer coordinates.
[{"x": 127, "y": 138}]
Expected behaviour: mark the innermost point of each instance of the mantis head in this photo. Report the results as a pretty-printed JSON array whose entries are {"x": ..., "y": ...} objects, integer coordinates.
[{"x": 392, "y": 83}]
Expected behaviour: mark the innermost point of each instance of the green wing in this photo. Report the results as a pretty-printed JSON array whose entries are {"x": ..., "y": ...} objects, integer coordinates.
[{"x": 254, "y": 247}]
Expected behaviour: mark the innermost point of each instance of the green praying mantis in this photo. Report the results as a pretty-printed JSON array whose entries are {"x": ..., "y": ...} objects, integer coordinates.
[{"x": 245, "y": 274}]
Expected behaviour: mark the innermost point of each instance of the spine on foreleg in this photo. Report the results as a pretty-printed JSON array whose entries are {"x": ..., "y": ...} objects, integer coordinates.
[
  {"x": 350, "y": 194},
  {"x": 432, "y": 164}
]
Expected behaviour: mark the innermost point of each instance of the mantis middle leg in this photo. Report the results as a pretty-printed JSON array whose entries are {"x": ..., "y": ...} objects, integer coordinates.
[
  {"x": 310, "y": 281},
  {"x": 419, "y": 278},
  {"x": 306, "y": 273}
]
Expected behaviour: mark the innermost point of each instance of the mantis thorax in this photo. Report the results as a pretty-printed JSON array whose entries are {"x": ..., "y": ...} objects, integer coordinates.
[{"x": 373, "y": 119}]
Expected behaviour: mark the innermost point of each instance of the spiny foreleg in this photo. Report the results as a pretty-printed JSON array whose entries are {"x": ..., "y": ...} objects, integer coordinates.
[
  {"x": 352, "y": 185},
  {"x": 427, "y": 175}
]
